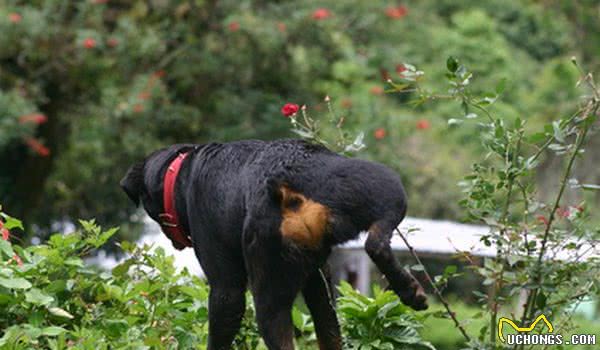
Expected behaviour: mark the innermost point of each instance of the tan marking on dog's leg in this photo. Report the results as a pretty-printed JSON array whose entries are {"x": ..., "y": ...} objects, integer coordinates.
[{"x": 304, "y": 220}]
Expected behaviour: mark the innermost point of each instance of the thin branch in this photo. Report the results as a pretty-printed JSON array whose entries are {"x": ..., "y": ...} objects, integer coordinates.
[{"x": 436, "y": 290}]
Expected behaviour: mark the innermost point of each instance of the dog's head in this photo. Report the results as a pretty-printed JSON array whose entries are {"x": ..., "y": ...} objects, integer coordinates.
[{"x": 143, "y": 182}]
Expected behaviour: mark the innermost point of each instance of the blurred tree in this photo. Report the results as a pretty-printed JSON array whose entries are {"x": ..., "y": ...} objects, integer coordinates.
[{"x": 109, "y": 81}]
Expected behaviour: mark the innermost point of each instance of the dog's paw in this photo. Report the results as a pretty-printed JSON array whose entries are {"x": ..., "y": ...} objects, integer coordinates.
[
  {"x": 414, "y": 296},
  {"x": 417, "y": 301}
]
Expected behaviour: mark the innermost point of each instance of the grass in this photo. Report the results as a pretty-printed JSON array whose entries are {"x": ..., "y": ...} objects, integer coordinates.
[{"x": 444, "y": 336}]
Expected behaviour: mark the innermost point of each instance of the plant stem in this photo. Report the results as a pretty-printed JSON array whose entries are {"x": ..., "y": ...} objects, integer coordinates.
[
  {"x": 436, "y": 290},
  {"x": 504, "y": 220},
  {"x": 538, "y": 278}
]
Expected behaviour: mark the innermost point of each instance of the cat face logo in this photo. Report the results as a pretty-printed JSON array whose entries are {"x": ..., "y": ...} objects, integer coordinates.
[{"x": 504, "y": 320}]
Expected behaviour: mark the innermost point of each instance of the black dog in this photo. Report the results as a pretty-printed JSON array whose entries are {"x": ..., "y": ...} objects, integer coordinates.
[{"x": 265, "y": 215}]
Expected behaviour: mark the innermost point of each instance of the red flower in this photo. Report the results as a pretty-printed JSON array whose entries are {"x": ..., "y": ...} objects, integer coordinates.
[
  {"x": 289, "y": 109},
  {"x": 542, "y": 219},
  {"x": 112, "y": 42},
  {"x": 400, "y": 68},
  {"x": 18, "y": 260},
  {"x": 321, "y": 13},
  {"x": 144, "y": 95},
  {"x": 346, "y": 103},
  {"x": 396, "y": 12},
  {"x": 89, "y": 43},
  {"x": 281, "y": 27},
  {"x": 234, "y": 26},
  {"x": 138, "y": 108},
  {"x": 423, "y": 124},
  {"x": 4, "y": 231},
  {"x": 159, "y": 74},
  {"x": 37, "y": 147},
  {"x": 36, "y": 118},
  {"x": 563, "y": 212},
  {"x": 379, "y": 133},
  {"x": 14, "y": 17},
  {"x": 376, "y": 90}
]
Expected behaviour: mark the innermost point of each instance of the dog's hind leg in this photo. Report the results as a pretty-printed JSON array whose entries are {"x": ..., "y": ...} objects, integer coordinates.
[
  {"x": 401, "y": 282},
  {"x": 319, "y": 301},
  {"x": 274, "y": 282}
]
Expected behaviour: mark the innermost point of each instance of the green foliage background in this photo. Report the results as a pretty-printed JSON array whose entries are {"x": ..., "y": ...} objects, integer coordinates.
[{"x": 161, "y": 72}]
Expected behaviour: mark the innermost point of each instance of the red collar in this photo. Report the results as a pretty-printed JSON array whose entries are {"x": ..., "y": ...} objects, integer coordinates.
[{"x": 170, "y": 221}]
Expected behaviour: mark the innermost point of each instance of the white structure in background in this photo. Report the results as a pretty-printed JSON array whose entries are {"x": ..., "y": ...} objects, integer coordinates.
[
  {"x": 439, "y": 237},
  {"x": 430, "y": 237},
  {"x": 349, "y": 261}
]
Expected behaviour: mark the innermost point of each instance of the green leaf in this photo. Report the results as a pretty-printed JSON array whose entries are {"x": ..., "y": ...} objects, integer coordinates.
[
  {"x": 540, "y": 301},
  {"x": 501, "y": 86},
  {"x": 6, "y": 248},
  {"x": 74, "y": 261},
  {"x": 559, "y": 134},
  {"x": 10, "y": 222},
  {"x": 417, "y": 267},
  {"x": 57, "y": 311},
  {"x": 450, "y": 270},
  {"x": 15, "y": 283},
  {"x": 37, "y": 297},
  {"x": 590, "y": 187},
  {"x": 53, "y": 331},
  {"x": 537, "y": 137},
  {"x": 452, "y": 64}
]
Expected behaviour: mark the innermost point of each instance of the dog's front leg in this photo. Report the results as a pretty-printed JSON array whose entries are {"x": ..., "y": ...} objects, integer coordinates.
[{"x": 401, "y": 282}]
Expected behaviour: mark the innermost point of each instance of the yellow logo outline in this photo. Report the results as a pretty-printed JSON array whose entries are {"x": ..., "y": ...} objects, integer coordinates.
[{"x": 503, "y": 320}]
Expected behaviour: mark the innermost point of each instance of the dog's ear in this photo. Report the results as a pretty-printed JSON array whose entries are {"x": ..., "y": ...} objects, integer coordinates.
[{"x": 133, "y": 182}]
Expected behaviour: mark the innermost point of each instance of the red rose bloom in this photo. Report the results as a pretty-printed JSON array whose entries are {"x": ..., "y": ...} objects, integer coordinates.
[
  {"x": 112, "y": 42},
  {"x": 379, "y": 133},
  {"x": 423, "y": 124},
  {"x": 89, "y": 43},
  {"x": 144, "y": 95},
  {"x": 234, "y": 26},
  {"x": 289, "y": 109},
  {"x": 36, "y": 118},
  {"x": 4, "y": 231},
  {"x": 396, "y": 12},
  {"x": 18, "y": 260},
  {"x": 281, "y": 27},
  {"x": 321, "y": 13},
  {"x": 37, "y": 147},
  {"x": 159, "y": 74},
  {"x": 14, "y": 17},
  {"x": 563, "y": 212},
  {"x": 376, "y": 90},
  {"x": 400, "y": 68},
  {"x": 542, "y": 219}
]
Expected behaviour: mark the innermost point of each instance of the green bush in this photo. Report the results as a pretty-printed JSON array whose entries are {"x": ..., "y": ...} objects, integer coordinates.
[{"x": 51, "y": 299}]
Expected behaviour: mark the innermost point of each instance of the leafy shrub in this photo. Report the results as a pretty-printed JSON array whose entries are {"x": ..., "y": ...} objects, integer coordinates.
[
  {"x": 51, "y": 299},
  {"x": 381, "y": 322}
]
